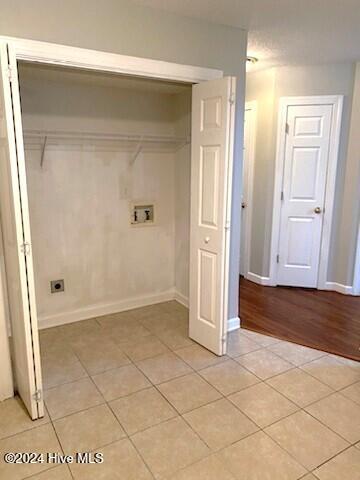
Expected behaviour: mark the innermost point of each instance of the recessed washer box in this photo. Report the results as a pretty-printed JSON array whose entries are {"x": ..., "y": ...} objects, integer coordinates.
[
  {"x": 142, "y": 213},
  {"x": 57, "y": 286}
]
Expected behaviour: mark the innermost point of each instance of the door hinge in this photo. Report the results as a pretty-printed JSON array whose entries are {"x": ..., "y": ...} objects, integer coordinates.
[
  {"x": 25, "y": 248},
  {"x": 38, "y": 396},
  {"x": 282, "y": 196},
  {"x": 287, "y": 128},
  {"x": 232, "y": 99},
  {"x": 277, "y": 258},
  {"x": 227, "y": 225},
  {"x": 9, "y": 73}
]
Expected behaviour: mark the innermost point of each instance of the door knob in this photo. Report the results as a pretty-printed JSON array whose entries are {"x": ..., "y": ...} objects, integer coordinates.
[
  {"x": 207, "y": 239},
  {"x": 243, "y": 205},
  {"x": 317, "y": 210}
]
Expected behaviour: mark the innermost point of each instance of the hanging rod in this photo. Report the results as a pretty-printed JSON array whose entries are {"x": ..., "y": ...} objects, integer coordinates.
[{"x": 130, "y": 137}]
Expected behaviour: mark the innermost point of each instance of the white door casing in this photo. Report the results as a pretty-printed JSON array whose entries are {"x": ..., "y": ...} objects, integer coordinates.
[
  {"x": 17, "y": 240},
  {"x": 307, "y": 144},
  {"x": 247, "y": 186},
  {"x": 213, "y": 106}
]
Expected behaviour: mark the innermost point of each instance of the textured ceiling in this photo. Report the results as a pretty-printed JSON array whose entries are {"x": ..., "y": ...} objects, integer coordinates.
[{"x": 283, "y": 31}]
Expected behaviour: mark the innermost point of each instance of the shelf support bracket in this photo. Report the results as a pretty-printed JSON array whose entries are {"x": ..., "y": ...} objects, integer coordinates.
[{"x": 43, "y": 152}]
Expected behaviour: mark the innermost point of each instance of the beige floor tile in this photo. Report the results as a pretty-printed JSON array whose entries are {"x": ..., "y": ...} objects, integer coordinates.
[
  {"x": 88, "y": 430},
  {"x": 340, "y": 414},
  {"x": 52, "y": 341},
  {"x": 58, "y": 473},
  {"x": 143, "y": 347},
  {"x": 163, "y": 367},
  {"x": 300, "y": 387},
  {"x": 357, "y": 445},
  {"x": 170, "y": 446},
  {"x": 332, "y": 371},
  {"x": 345, "y": 466},
  {"x": 264, "y": 364},
  {"x": 296, "y": 354},
  {"x": 198, "y": 357},
  {"x": 121, "y": 462},
  {"x": 98, "y": 358},
  {"x": 85, "y": 329},
  {"x": 38, "y": 440},
  {"x": 175, "y": 338},
  {"x": 309, "y": 476},
  {"x": 258, "y": 457},
  {"x": 306, "y": 439},
  {"x": 352, "y": 392},
  {"x": 71, "y": 398},
  {"x": 14, "y": 418},
  {"x": 141, "y": 410},
  {"x": 263, "y": 340},
  {"x": 229, "y": 377},
  {"x": 143, "y": 313},
  {"x": 263, "y": 404},
  {"x": 120, "y": 382},
  {"x": 120, "y": 317},
  {"x": 239, "y": 344},
  {"x": 209, "y": 468},
  {"x": 61, "y": 367},
  {"x": 160, "y": 322},
  {"x": 220, "y": 423},
  {"x": 188, "y": 392},
  {"x": 121, "y": 330}
]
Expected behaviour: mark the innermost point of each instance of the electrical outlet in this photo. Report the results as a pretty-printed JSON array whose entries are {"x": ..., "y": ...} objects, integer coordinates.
[
  {"x": 57, "y": 286},
  {"x": 142, "y": 214}
]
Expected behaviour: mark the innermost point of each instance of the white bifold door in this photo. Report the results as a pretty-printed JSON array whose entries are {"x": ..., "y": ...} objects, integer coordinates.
[
  {"x": 15, "y": 226},
  {"x": 303, "y": 193},
  {"x": 213, "y": 106}
]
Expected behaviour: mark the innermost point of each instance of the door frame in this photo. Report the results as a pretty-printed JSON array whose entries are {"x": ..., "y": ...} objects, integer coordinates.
[
  {"x": 336, "y": 101},
  {"x": 249, "y": 166},
  {"x": 67, "y": 56},
  {"x": 356, "y": 281}
]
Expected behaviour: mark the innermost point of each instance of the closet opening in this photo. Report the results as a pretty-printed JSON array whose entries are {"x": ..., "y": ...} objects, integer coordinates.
[{"x": 107, "y": 162}]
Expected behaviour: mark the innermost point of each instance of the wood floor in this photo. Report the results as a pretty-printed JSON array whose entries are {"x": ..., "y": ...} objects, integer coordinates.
[{"x": 326, "y": 321}]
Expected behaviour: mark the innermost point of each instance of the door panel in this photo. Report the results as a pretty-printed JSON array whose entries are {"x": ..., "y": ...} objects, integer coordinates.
[
  {"x": 16, "y": 239},
  {"x": 245, "y": 197},
  {"x": 305, "y": 170},
  {"x": 211, "y": 170}
]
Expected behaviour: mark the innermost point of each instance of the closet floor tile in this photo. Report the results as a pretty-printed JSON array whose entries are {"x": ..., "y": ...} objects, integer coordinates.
[
  {"x": 220, "y": 424},
  {"x": 295, "y": 354},
  {"x": 143, "y": 348},
  {"x": 14, "y": 418},
  {"x": 209, "y": 468},
  {"x": 120, "y": 382},
  {"x": 239, "y": 344},
  {"x": 38, "y": 440},
  {"x": 88, "y": 430},
  {"x": 306, "y": 439},
  {"x": 332, "y": 371},
  {"x": 71, "y": 398},
  {"x": 198, "y": 357},
  {"x": 170, "y": 446},
  {"x": 97, "y": 359},
  {"x": 346, "y": 465},
  {"x": 57, "y": 473},
  {"x": 299, "y": 387},
  {"x": 259, "y": 457},
  {"x": 188, "y": 392},
  {"x": 228, "y": 377},
  {"x": 163, "y": 367},
  {"x": 121, "y": 462},
  {"x": 61, "y": 367},
  {"x": 264, "y": 364},
  {"x": 141, "y": 410},
  {"x": 352, "y": 392},
  {"x": 263, "y": 404}
]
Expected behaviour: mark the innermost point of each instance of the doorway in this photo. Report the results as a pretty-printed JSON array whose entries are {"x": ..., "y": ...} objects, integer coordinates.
[
  {"x": 305, "y": 173},
  {"x": 212, "y": 113}
]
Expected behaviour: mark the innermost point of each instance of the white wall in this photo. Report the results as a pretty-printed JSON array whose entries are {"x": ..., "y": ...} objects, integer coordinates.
[
  {"x": 267, "y": 87},
  {"x": 80, "y": 199}
]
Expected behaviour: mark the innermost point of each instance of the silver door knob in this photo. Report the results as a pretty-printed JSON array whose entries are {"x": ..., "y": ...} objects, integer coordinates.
[
  {"x": 207, "y": 239},
  {"x": 317, "y": 210}
]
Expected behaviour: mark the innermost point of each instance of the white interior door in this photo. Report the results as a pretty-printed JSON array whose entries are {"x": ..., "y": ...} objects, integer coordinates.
[
  {"x": 213, "y": 106},
  {"x": 303, "y": 193},
  {"x": 17, "y": 242},
  {"x": 246, "y": 197}
]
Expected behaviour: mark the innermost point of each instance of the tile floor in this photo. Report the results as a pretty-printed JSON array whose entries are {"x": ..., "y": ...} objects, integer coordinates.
[{"x": 158, "y": 406}]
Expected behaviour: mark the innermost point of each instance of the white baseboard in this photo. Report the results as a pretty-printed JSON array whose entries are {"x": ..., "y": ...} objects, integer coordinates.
[
  {"x": 233, "y": 324},
  {"x": 104, "y": 309},
  {"x": 340, "y": 288},
  {"x": 179, "y": 297},
  {"x": 254, "y": 277}
]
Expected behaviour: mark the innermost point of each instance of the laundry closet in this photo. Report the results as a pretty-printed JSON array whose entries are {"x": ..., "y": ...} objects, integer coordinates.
[
  {"x": 115, "y": 194},
  {"x": 108, "y": 176}
]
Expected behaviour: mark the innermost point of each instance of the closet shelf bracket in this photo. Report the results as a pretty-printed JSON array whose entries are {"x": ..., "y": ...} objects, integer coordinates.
[
  {"x": 43, "y": 152},
  {"x": 137, "y": 151}
]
